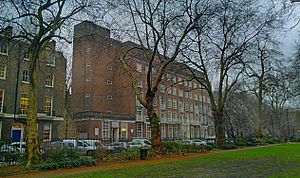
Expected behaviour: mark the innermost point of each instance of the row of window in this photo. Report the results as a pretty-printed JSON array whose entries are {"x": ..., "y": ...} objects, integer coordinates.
[
  {"x": 172, "y": 104},
  {"x": 49, "y": 78},
  {"x": 24, "y": 103}
]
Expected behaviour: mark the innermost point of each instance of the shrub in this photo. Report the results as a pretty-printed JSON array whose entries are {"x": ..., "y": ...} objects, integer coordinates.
[
  {"x": 228, "y": 146},
  {"x": 171, "y": 148},
  {"x": 295, "y": 138},
  {"x": 241, "y": 142},
  {"x": 130, "y": 154},
  {"x": 64, "y": 158}
]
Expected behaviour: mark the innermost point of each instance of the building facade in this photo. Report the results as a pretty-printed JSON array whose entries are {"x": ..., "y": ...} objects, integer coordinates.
[
  {"x": 104, "y": 102},
  {"x": 14, "y": 90}
]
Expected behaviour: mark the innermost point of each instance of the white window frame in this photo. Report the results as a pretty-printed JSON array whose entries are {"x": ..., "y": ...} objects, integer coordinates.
[
  {"x": 105, "y": 130},
  {"x": 109, "y": 82},
  {"x": 50, "y": 61},
  {"x": 50, "y": 131},
  {"x": 4, "y": 44},
  {"x": 87, "y": 95},
  {"x": 5, "y": 71},
  {"x": 139, "y": 128},
  {"x": 139, "y": 67},
  {"x": 109, "y": 97},
  {"x": 51, "y": 81},
  {"x": 51, "y": 104},
  {"x": 25, "y": 76}
]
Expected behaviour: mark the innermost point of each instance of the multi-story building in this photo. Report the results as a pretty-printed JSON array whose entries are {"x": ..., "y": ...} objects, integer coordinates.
[
  {"x": 14, "y": 90},
  {"x": 104, "y": 101}
]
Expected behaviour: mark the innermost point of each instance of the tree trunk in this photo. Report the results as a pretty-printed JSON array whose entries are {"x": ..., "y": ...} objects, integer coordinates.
[
  {"x": 154, "y": 123},
  {"x": 33, "y": 147},
  {"x": 258, "y": 126},
  {"x": 219, "y": 127}
]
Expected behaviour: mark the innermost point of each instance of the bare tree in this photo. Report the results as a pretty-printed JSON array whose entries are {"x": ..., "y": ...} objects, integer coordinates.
[
  {"x": 38, "y": 22},
  {"x": 159, "y": 27},
  {"x": 220, "y": 49}
]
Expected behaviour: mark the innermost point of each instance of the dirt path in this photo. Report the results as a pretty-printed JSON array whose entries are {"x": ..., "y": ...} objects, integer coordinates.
[{"x": 114, "y": 165}]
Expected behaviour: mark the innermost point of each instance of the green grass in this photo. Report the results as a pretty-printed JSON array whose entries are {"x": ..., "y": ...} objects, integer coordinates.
[{"x": 275, "y": 161}]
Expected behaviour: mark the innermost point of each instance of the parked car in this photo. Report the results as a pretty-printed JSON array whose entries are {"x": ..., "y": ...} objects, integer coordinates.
[
  {"x": 140, "y": 143},
  {"x": 186, "y": 142},
  {"x": 21, "y": 146},
  {"x": 8, "y": 152},
  {"x": 81, "y": 146},
  {"x": 199, "y": 142},
  {"x": 95, "y": 143},
  {"x": 117, "y": 146}
]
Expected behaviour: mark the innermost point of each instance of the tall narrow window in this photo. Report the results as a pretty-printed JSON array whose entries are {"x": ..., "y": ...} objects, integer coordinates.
[
  {"x": 24, "y": 104},
  {"x": 163, "y": 131},
  {"x": 148, "y": 131},
  {"x": 105, "y": 129},
  {"x": 139, "y": 67},
  {"x": 139, "y": 130},
  {"x": 25, "y": 76},
  {"x": 2, "y": 71},
  {"x": 4, "y": 48},
  {"x": 47, "y": 131},
  {"x": 49, "y": 80},
  {"x": 48, "y": 106},
  {"x": 170, "y": 131},
  {"x": 1, "y": 100}
]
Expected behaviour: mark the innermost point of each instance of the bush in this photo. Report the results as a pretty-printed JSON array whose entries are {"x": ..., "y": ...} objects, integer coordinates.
[
  {"x": 295, "y": 138},
  {"x": 241, "y": 142},
  {"x": 228, "y": 146},
  {"x": 130, "y": 154},
  {"x": 64, "y": 158},
  {"x": 171, "y": 148}
]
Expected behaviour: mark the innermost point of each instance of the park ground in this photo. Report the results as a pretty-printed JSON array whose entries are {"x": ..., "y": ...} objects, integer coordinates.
[{"x": 265, "y": 161}]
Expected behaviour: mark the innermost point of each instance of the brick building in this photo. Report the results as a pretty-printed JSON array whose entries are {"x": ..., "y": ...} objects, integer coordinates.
[
  {"x": 14, "y": 88},
  {"x": 104, "y": 102}
]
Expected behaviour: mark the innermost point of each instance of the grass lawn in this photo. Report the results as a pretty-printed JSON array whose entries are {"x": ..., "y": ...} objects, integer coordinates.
[{"x": 274, "y": 161}]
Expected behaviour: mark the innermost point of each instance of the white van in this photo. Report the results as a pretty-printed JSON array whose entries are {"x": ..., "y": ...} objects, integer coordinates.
[
  {"x": 140, "y": 143},
  {"x": 81, "y": 146}
]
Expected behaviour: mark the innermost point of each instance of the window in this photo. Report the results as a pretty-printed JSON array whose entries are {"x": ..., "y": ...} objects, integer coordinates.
[
  {"x": 190, "y": 84},
  {"x": 87, "y": 95},
  {"x": 195, "y": 84},
  {"x": 185, "y": 83},
  {"x": 162, "y": 88},
  {"x": 169, "y": 103},
  {"x": 190, "y": 95},
  {"x": 186, "y": 107},
  {"x": 50, "y": 61},
  {"x": 47, "y": 131},
  {"x": 4, "y": 48},
  {"x": 196, "y": 97},
  {"x": 139, "y": 67},
  {"x": 179, "y": 81},
  {"x": 109, "y": 82},
  {"x": 169, "y": 91},
  {"x": 162, "y": 116},
  {"x": 139, "y": 130},
  {"x": 49, "y": 80},
  {"x": 96, "y": 131},
  {"x": 186, "y": 94},
  {"x": 191, "y": 108},
  {"x": 174, "y": 91},
  {"x": 88, "y": 65},
  {"x": 169, "y": 116},
  {"x": 196, "y": 109},
  {"x": 88, "y": 50},
  {"x": 170, "y": 131},
  {"x": 1, "y": 100},
  {"x": 48, "y": 105},
  {"x": 25, "y": 76},
  {"x": 105, "y": 130},
  {"x": 109, "y": 97},
  {"x": 180, "y": 93},
  {"x": 2, "y": 71},
  {"x": 174, "y": 104},
  {"x": 174, "y": 116},
  {"x": 148, "y": 134},
  {"x": 162, "y": 102},
  {"x": 180, "y": 105},
  {"x": 163, "y": 131},
  {"x": 109, "y": 67},
  {"x": 24, "y": 104},
  {"x": 88, "y": 79},
  {"x": 139, "y": 113}
]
